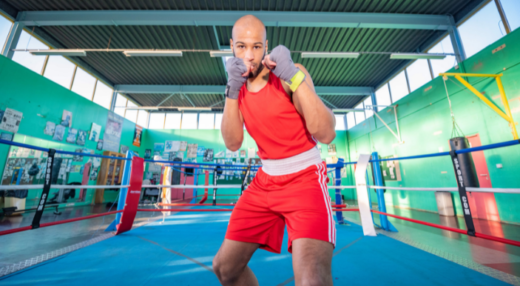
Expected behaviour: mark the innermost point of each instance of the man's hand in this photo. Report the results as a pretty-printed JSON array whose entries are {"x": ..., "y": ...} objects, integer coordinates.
[
  {"x": 279, "y": 61},
  {"x": 238, "y": 72}
]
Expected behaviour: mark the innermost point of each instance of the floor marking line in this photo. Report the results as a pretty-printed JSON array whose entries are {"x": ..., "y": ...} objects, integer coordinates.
[
  {"x": 336, "y": 253},
  {"x": 180, "y": 254}
]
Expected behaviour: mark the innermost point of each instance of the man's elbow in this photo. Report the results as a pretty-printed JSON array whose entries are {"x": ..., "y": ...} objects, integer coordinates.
[
  {"x": 233, "y": 146},
  {"x": 326, "y": 138}
]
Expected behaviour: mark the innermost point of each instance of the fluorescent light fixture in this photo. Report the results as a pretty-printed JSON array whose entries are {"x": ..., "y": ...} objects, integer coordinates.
[
  {"x": 152, "y": 53},
  {"x": 194, "y": 108},
  {"x": 324, "y": 55},
  {"x": 415, "y": 56},
  {"x": 220, "y": 54},
  {"x": 345, "y": 110},
  {"x": 59, "y": 52}
]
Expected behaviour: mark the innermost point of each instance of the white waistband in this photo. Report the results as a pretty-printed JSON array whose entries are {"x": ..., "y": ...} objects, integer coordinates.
[{"x": 292, "y": 164}]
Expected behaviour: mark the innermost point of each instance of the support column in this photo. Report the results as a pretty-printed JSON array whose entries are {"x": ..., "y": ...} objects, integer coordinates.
[
  {"x": 12, "y": 40},
  {"x": 339, "y": 201},
  {"x": 374, "y": 102},
  {"x": 505, "y": 22},
  {"x": 456, "y": 41},
  {"x": 113, "y": 103}
]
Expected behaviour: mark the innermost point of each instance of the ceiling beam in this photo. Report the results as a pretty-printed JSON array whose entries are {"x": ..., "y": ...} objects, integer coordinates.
[
  {"x": 219, "y": 89},
  {"x": 228, "y": 18}
]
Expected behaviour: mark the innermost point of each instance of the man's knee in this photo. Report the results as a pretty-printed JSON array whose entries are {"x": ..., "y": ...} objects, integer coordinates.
[{"x": 225, "y": 272}]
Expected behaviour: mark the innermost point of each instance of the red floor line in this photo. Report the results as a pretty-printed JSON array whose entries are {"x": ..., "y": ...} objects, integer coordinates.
[{"x": 480, "y": 235}]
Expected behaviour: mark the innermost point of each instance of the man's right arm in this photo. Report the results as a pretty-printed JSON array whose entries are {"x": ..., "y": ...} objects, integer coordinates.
[{"x": 232, "y": 127}]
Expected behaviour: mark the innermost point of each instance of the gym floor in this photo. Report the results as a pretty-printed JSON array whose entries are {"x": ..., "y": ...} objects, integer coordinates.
[{"x": 185, "y": 243}]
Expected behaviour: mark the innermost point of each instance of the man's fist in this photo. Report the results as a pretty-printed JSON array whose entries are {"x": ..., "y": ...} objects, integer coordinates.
[
  {"x": 237, "y": 76},
  {"x": 279, "y": 61}
]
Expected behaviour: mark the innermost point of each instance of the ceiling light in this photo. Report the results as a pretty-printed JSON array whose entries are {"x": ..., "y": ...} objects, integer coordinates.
[
  {"x": 152, "y": 53},
  {"x": 414, "y": 56},
  {"x": 324, "y": 55},
  {"x": 345, "y": 110},
  {"x": 216, "y": 54},
  {"x": 194, "y": 108},
  {"x": 58, "y": 52}
]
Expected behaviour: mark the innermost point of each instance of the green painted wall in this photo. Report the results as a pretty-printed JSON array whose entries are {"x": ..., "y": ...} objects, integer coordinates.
[
  {"x": 426, "y": 126},
  {"x": 42, "y": 100}
]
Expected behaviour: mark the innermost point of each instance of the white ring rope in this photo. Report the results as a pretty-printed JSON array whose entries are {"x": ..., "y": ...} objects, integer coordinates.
[
  {"x": 470, "y": 189},
  {"x": 35, "y": 187}
]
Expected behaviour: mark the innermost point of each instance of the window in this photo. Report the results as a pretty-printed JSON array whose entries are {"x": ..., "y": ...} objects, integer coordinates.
[
  {"x": 120, "y": 103},
  {"x": 383, "y": 97},
  {"x": 440, "y": 66},
  {"x": 156, "y": 121},
  {"x": 34, "y": 63},
  {"x": 368, "y": 109},
  {"x": 131, "y": 114},
  {"x": 398, "y": 87},
  {"x": 512, "y": 9},
  {"x": 351, "y": 121},
  {"x": 418, "y": 74},
  {"x": 360, "y": 115},
  {"x": 218, "y": 120},
  {"x": 207, "y": 121},
  {"x": 103, "y": 95},
  {"x": 59, "y": 70},
  {"x": 84, "y": 85},
  {"x": 340, "y": 122},
  {"x": 5, "y": 27},
  {"x": 142, "y": 118},
  {"x": 173, "y": 121},
  {"x": 481, "y": 30},
  {"x": 189, "y": 121}
]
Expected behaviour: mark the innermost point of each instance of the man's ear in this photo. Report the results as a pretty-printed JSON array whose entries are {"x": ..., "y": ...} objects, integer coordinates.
[
  {"x": 266, "y": 47},
  {"x": 231, "y": 44}
]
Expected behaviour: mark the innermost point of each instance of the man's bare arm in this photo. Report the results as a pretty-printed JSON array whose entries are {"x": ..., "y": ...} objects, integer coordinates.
[
  {"x": 319, "y": 119},
  {"x": 232, "y": 127}
]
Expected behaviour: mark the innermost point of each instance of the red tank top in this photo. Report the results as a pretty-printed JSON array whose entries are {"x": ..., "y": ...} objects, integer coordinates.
[{"x": 273, "y": 121}]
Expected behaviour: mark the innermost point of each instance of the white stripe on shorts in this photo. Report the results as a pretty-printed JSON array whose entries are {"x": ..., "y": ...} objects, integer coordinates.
[
  {"x": 320, "y": 181},
  {"x": 326, "y": 195}
]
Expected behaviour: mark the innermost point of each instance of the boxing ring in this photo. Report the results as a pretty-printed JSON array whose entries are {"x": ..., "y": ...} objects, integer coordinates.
[{"x": 179, "y": 248}]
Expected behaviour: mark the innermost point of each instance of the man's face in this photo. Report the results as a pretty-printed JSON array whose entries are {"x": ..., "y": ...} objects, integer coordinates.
[{"x": 250, "y": 45}]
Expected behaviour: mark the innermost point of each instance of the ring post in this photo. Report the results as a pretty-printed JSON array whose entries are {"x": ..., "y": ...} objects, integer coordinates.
[
  {"x": 385, "y": 224},
  {"x": 339, "y": 165},
  {"x": 196, "y": 183},
  {"x": 123, "y": 191},
  {"x": 215, "y": 189},
  {"x": 46, "y": 188}
]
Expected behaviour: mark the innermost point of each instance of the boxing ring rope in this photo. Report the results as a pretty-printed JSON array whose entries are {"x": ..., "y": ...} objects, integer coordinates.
[{"x": 134, "y": 185}]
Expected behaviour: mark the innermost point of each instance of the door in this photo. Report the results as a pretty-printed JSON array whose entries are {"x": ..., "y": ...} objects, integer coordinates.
[{"x": 483, "y": 205}]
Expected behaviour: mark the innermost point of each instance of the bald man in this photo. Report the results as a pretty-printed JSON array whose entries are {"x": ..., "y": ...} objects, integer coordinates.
[{"x": 276, "y": 101}]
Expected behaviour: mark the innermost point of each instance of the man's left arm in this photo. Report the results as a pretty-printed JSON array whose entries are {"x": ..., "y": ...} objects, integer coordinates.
[{"x": 319, "y": 119}]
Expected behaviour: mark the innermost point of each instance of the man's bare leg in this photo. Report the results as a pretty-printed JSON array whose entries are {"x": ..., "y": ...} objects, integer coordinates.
[
  {"x": 230, "y": 263},
  {"x": 312, "y": 262}
]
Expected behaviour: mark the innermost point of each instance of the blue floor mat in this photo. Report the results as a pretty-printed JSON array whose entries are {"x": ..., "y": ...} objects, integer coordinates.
[{"x": 180, "y": 251}]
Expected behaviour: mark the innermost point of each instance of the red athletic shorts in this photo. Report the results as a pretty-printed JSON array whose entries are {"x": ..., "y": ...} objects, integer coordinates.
[{"x": 299, "y": 200}]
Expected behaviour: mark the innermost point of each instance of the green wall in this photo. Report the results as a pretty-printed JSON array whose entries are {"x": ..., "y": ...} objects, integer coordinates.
[
  {"x": 425, "y": 125},
  {"x": 42, "y": 100}
]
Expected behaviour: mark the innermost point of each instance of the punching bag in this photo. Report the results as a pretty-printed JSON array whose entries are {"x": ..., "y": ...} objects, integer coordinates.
[
  {"x": 176, "y": 175},
  {"x": 467, "y": 166}
]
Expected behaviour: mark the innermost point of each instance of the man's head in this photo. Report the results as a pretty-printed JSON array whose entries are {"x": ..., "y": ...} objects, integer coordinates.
[{"x": 249, "y": 42}]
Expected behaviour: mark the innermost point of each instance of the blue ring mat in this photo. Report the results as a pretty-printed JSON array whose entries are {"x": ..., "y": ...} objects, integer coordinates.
[{"x": 180, "y": 252}]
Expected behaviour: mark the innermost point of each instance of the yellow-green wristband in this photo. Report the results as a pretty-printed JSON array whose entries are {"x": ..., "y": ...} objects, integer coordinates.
[{"x": 296, "y": 80}]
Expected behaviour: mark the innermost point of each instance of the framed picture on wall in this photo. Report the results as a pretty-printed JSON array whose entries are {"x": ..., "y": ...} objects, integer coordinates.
[
  {"x": 66, "y": 118},
  {"x": 49, "y": 128},
  {"x": 71, "y": 137},
  {"x": 82, "y": 137}
]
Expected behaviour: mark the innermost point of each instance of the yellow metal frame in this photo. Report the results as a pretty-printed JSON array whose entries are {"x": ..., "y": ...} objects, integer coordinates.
[{"x": 508, "y": 116}]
